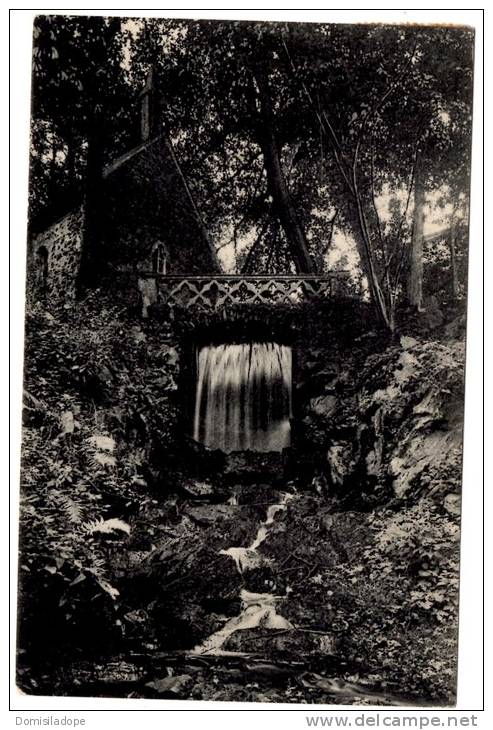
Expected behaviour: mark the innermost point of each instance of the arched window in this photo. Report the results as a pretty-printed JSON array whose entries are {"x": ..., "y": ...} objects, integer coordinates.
[
  {"x": 159, "y": 259},
  {"x": 42, "y": 267}
]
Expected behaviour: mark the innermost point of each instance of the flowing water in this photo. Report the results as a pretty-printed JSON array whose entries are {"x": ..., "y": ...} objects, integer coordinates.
[
  {"x": 258, "y": 609},
  {"x": 243, "y": 397}
]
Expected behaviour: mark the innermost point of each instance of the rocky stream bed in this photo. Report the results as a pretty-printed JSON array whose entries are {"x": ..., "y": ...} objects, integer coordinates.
[{"x": 253, "y": 622}]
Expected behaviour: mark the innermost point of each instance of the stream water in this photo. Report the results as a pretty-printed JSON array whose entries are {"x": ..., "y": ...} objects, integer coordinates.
[
  {"x": 332, "y": 679},
  {"x": 258, "y": 609}
]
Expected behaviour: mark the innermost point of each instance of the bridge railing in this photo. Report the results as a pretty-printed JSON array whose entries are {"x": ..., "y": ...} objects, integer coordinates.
[{"x": 216, "y": 291}]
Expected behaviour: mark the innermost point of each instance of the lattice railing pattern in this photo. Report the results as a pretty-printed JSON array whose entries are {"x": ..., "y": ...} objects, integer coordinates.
[{"x": 217, "y": 291}]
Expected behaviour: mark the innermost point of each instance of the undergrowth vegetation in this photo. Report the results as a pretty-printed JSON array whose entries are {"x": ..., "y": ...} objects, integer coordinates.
[
  {"x": 94, "y": 405},
  {"x": 101, "y": 507}
]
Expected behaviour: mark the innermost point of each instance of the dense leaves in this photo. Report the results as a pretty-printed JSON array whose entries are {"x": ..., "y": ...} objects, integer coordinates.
[
  {"x": 93, "y": 413},
  {"x": 292, "y": 136}
]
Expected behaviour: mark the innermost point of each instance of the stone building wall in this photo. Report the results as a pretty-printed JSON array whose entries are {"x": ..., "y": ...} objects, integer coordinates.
[
  {"x": 54, "y": 259},
  {"x": 144, "y": 202}
]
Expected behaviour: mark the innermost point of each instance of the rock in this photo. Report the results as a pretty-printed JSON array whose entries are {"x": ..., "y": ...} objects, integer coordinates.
[
  {"x": 431, "y": 316},
  {"x": 148, "y": 294},
  {"x": 197, "y": 489},
  {"x": 452, "y": 504},
  {"x": 429, "y": 405},
  {"x": 408, "y": 342},
  {"x": 324, "y": 405},
  {"x": 327, "y": 523},
  {"x": 319, "y": 484},
  {"x": 416, "y": 455},
  {"x": 374, "y": 459},
  {"x": 177, "y": 686},
  {"x": 252, "y": 493},
  {"x": 254, "y": 463},
  {"x": 165, "y": 381},
  {"x": 314, "y": 431},
  {"x": 456, "y": 328},
  {"x": 341, "y": 461},
  {"x": 170, "y": 354},
  {"x": 209, "y": 514},
  {"x": 286, "y": 641},
  {"x": 136, "y": 617},
  {"x": 112, "y": 672}
]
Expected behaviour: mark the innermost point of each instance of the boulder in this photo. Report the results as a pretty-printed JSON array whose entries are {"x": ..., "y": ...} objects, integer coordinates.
[
  {"x": 374, "y": 458},
  {"x": 206, "y": 515},
  {"x": 452, "y": 504},
  {"x": 169, "y": 353},
  {"x": 254, "y": 463},
  {"x": 254, "y": 494},
  {"x": 431, "y": 316},
  {"x": 175, "y": 686},
  {"x": 198, "y": 489},
  {"x": 416, "y": 455},
  {"x": 341, "y": 460},
  {"x": 408, "y": 342},
  {"x": 117, "y": 671},
  {"x": 324, "y": 405}
]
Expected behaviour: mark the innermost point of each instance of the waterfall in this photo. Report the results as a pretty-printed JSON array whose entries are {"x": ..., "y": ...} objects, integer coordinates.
[{"x": 243, "y": 397}]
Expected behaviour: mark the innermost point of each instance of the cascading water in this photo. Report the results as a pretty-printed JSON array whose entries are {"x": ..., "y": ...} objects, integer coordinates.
[
  {"x": 258, "y": 609},
  {"x": 243, "y": 397}
]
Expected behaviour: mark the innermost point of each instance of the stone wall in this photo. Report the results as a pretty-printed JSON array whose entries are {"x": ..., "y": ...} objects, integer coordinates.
[
  {"x": 328, "y": 339},
  {"x": 54, "y": 260}
]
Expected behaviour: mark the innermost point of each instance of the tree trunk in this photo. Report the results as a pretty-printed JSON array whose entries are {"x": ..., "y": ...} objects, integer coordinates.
[
  {"x": 90, "y": 267},
  {"x": 415, "y": 265},
  {"x": 282, "y": 203},
  {"x": 369, "y": 265},
  {"x": 70, "y": 163},
  {"x": 53, "y": 181},
  {"x": 453, "y": 262}
]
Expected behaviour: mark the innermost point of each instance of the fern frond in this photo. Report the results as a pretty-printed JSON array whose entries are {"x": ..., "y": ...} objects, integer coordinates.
[
  {"x": 73, "y": 510},
  {"x": 106, "y": 527}
]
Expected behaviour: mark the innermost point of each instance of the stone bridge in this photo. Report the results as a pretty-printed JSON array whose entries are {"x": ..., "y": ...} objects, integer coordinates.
[{"x": 216, "y": 291}]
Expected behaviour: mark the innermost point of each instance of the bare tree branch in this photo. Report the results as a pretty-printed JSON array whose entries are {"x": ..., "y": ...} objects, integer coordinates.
[
  {"x": 323, "y": 121},
  {"x": 254, "y": 245},
  {"x": 373, "y": 199}
]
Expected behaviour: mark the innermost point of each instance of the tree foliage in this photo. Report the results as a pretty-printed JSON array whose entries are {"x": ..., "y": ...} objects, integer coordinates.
[
  {"x": 355, "y": 111},
  {"x": 80, "y": 114},
  {"x": 288, "y": 133}
]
